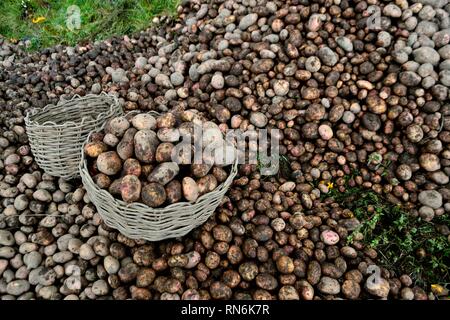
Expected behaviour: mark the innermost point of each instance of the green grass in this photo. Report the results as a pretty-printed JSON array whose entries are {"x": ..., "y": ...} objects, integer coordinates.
[
  {"x": 284, "y": 166},
  {"x": 100, "y": 19},
  {"x": 406, "y": 244}
]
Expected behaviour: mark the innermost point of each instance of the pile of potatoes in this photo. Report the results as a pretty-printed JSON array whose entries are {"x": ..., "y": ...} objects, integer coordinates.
[{"x": 139, "y": 158}]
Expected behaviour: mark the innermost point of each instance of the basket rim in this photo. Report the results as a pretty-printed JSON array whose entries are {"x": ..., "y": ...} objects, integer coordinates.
[
  {"x": 84, "y": 173},
  {"x": 51, "y": 124}
]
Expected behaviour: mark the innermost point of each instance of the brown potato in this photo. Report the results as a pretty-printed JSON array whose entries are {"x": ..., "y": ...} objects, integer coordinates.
[
  {"x": 144, "y": 121},
  {"x": 94, "y": 149},
  {"x": 114, "y": 188},
  {"x": 200, "y": 170},
  {"x": 167, "y": 120},
  {"x": 164, "y": 152},
  {"x": 164, "y": 173},
  {"x": 117, "y": 126},
  {"x": 97, "y": 136},
  {"x": 109, "y": 163},
  {"x": 130, "y": 188},
  {"x": 132, "y": 166},
  {"x": 173, "y": 191},
  {"x": 125, "y": 148},
  {"x": 153, "y": 194},
  {"x": 102, "y": 181},
  {"x": 190, "y": 189},
  {"x": 220, "y": 174},
  {"x": 207, "y": 184},
  {"x": 145, "y": 144}
]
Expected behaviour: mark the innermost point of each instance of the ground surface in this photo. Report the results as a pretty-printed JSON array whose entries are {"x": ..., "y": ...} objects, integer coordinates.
[{"x": 359, "y": 209}]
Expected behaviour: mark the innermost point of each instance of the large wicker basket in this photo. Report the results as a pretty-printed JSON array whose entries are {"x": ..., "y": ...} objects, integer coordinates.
[
  {"x": 139, "y": 221},
  {"x": 57, "y": 132}
]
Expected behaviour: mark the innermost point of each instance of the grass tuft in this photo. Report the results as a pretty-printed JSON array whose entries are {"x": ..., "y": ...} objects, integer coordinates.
[{"x": 406, "y": 244}]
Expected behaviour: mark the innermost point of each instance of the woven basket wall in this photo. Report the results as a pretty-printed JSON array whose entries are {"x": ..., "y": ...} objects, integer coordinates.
[
  {"x": 139, "y": 221},
  {"x": 57, "y": 132}
]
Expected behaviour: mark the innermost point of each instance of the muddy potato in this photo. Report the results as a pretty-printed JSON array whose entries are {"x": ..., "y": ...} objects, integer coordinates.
[
  {"x": 167, "y": 120},
  {"x": 173, "y": 191},
  {"x": 207, "y": 184},
  {"x": 110, "y": 140},
  {"x": 97, "y": 136},
  {"x": 430, "y": 162},
  {"x": 220, "y": 174},
  {"x": 153, "y": 194},
  {"x": 168, "y": 134},
  {"x": 190, "y": 189},
  {"x": 117, "y": 126},
  {"x": 164, "y": 152},
  {"x": 144, "y": 121},
  {"x": 145, "y": 144},
  {"x": 125, "y": 148},
  {"x": 130, "y": 188},
  {"x": 102, "y": 181},
  {"x": 164, "y": 173},
  {"x": 200, "y": 170},
  {"x": 109, "y": 163},
  {"x": 132, "y": 166},
  {"x": 95, "y": 148},
  {"x": 306, "y": 290},
  {"x": 114, "y": 188}
]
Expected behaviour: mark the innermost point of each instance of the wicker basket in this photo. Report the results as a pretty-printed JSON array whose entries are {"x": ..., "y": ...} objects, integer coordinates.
[
  {"x": 139, "y": 221},
  {"x": 57, "y": 132}
]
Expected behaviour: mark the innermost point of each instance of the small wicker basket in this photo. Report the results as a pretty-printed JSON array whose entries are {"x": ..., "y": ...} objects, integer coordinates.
[
  {"x": 57, "y": 132},
  {"x": 139, "y": 221}
]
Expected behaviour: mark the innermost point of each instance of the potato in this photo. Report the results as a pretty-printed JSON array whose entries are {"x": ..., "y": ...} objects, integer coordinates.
[
  {"x": 94, "y": 149},
  {"x": 145, "y": 144},
  {"x": 109, "y": 163},
  {"x": 164, "y": 152},
  {"x": 200, "y": 170},
  {"x": 144, "y": 121},
  {"x": 102, "y": 181},
  {"x": 173, "y": 191},
  {"x": 164, "y": 173},
  {"x": 220, "y": 174},
  {"x": 187, "y": 115},
  {"x": 190, "y": 189},
  {"x": 97, "y": 136},
  {"x": 114, "y": 188},
  {"x": 207, "y": 184},
  {"x": 111, "y": 140},
  {"x": 168, "y": 134},
  {"x": 132, "y": 166},
  {"x": 130, "y": 188},
  {"x": 117, "y": 126},
  {"x": 153, "y": 194},
  {"x": 125, "y": 148},
  {"x": 167, "y": 120}
]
